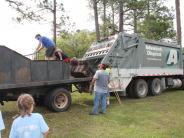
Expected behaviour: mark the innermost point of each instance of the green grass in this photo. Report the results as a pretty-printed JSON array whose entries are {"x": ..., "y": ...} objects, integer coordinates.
[{"x": 152, "y": 117}]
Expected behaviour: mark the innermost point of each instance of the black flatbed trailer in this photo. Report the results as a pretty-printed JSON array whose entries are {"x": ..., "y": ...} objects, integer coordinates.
[
  {"x": 48, "y": 81},
  {"x": 44, "y": 83}
]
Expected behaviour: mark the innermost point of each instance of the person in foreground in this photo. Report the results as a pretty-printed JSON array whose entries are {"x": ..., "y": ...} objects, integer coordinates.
[
  {"x": 28, "y": 124},
  {"x": 100, "y": 82},
  {"x": 1, "y": 124},
  {"x": 47, "y": 43}
]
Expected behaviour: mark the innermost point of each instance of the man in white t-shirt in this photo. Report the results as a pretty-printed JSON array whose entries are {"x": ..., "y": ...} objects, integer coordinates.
[{"x": 100, "y": 82}]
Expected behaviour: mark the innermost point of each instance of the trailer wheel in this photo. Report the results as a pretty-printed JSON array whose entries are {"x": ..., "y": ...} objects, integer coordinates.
[
  {"x": 59, "y": 100},
  {"x": 140, "y": 88},
  {"x": 155, "y": 87}
]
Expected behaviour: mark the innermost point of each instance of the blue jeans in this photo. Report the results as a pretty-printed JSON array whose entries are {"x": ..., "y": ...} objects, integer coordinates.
[{"x": 100, "y": 99}]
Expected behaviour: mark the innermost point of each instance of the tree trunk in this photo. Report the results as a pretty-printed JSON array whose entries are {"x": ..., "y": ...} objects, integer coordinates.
[
  {"x": 113, "y": 21},
  {"x": 135, "y": 20},
  {"x": 121, "y": 15},
  {"x": 96, "y": 20},
  {"x": 54, "y": 21},
  {"x": 104, "y": 19},
  {"x": 148, "y": 10},
  {"x": 178, "y": 21}
]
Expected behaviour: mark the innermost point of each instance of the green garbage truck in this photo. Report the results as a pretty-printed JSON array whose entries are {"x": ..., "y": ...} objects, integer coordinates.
[{"x": 139, "y": 67}]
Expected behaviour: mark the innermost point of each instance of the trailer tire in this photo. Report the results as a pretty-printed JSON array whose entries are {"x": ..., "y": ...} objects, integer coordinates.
[
  {"x": 140, "y": 88},
  {"x": 155, "y": 87},
  {"x": 59, "y": 100}
]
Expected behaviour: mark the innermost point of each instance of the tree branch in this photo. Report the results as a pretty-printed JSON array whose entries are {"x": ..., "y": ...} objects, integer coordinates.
[{"x": 24, "y": 11}]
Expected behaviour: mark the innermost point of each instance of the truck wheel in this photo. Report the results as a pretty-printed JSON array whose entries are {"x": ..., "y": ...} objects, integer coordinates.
[
  {"x": 140, "y": 88},
  {"x": 129, "y": 90},
  {"x": 182, "y": 86},
  {"x": 59, "y": 100},
  {"x": 155, "y": 87}
]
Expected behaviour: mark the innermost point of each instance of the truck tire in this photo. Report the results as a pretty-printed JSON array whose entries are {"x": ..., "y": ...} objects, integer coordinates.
[
  {"x": 182, "y": 86},
  {"x": 59, "y": 100},
  {"x": 129, "y": 90},
  {"x": 140, "y": 88},
  {"x": 155, "y": 87}
]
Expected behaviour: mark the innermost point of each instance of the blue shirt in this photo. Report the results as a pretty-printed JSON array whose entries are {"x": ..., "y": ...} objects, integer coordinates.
[
  {"x": 1, "y": 122},
  {"x": 46, "y": 42},
  {"x": 32, "y": 126},
  {"x": 102, "y": 80}
]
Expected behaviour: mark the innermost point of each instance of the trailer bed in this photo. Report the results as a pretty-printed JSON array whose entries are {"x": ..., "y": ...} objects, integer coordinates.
[
  {"x": 17, "y": 71},
  {"x": 44, "y": 83}
]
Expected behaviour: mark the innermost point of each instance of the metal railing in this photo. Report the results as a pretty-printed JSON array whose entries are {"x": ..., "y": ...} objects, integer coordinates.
[{"x": 33, "y": 56}]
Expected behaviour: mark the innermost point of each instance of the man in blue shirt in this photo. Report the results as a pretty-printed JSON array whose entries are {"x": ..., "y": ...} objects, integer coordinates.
[
  {"x": 1, "y": 124},
  {"x": 47, "y": 43}
]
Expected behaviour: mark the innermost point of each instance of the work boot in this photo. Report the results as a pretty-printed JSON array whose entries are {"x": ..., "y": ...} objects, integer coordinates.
[
  {"x": 102, "y": 112},
  {"x": 91, "y": 113}
]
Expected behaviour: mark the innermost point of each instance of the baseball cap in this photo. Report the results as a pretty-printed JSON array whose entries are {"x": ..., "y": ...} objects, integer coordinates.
[{"x": 102, "y": 66}]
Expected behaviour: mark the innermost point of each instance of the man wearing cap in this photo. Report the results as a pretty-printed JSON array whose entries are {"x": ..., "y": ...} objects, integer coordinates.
[
  {"x": 47, "y": 43},
  {"x": 100, "y": 82}
]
